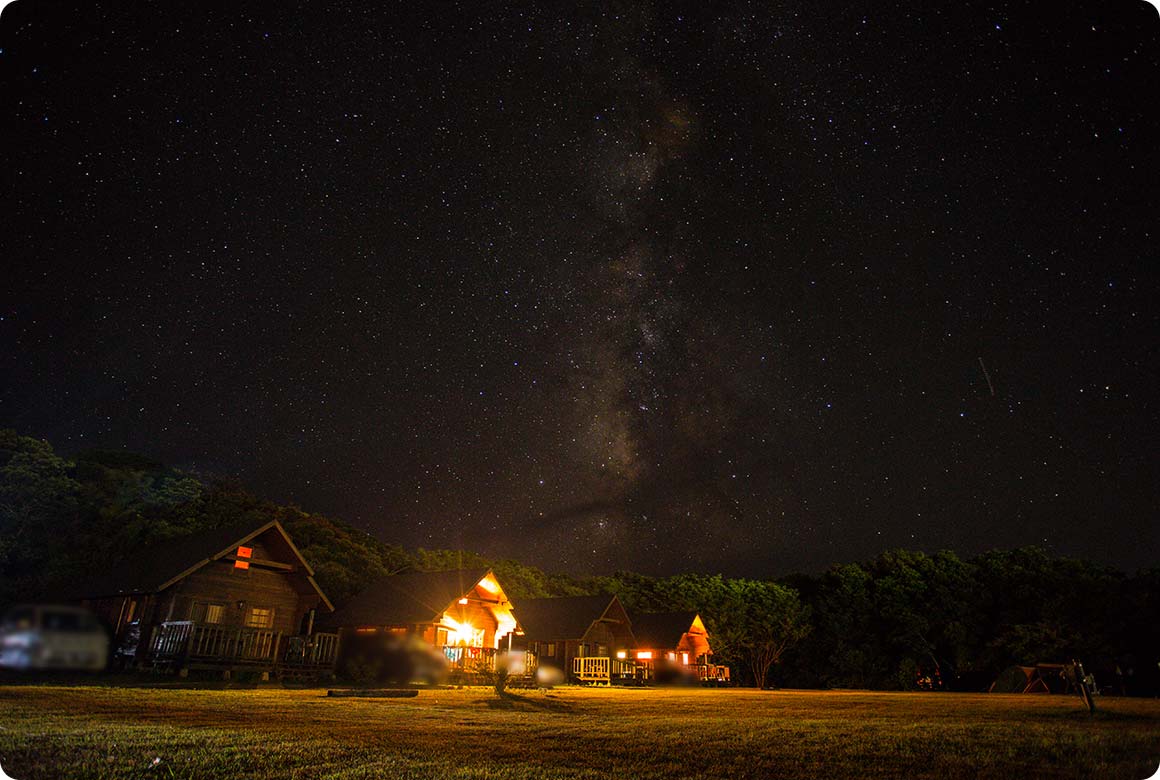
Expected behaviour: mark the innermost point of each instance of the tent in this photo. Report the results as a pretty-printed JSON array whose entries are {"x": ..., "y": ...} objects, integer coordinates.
[{"x": 1041, "y": 678}]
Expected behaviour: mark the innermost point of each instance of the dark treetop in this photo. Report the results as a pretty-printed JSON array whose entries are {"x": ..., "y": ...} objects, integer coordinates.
[{"x": 699, "y": 286}]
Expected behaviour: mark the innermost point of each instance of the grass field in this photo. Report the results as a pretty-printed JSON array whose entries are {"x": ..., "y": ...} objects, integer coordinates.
[{"x": 103, "y": 732}]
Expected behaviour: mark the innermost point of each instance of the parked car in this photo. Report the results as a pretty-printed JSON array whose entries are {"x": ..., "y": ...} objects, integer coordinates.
[{"x": 37, "y": 637}]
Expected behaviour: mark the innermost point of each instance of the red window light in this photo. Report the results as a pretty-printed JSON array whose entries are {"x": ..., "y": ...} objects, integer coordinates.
[
  {"x": 245, "y": 552},
  {"x": 241, "y": 564}
]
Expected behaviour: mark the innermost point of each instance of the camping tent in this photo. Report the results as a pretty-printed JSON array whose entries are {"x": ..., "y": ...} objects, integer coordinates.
[{"x": 1041, "y": 678}]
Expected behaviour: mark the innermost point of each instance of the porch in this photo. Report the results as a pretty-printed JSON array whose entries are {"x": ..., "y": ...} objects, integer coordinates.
[
  {"x": 704, "y": 673},
  {"x": 469, "y": 659},
  {"x": 600, "y": 669},
  {"x": 185, "y": 644}
]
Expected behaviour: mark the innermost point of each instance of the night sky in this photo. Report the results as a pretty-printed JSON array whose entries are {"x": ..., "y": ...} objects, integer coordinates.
[{"x": 754, "y": 288}]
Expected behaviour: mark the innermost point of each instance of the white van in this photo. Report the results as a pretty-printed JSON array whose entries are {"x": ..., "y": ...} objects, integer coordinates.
[{"x": 42, "y": 636}]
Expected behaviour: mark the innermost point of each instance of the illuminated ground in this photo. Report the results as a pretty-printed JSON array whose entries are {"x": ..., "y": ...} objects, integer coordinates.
[{"x": 91, "y": 732}]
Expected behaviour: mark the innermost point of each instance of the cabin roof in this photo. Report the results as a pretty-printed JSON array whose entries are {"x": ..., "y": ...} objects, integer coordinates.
[
  {"x": 662, "y": 629},
  {"x": 157, "y": 566},
  {"x": 407, "y": 599},
  {"x": 564, "y": 618}
]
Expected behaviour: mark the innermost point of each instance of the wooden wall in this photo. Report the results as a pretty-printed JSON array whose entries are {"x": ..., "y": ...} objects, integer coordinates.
[{"x": 218, "y": 582}]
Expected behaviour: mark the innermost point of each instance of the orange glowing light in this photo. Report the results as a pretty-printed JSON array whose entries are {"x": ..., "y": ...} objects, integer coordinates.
[
  {"x": 463, "y": 600},
  {"x": 241, "y": 564},
  {"x": 462, "y": 633},
  {"x": 621, "y": 654},
  {"x": 245, "y": 552},
  {"x": 644, "y": 655}
]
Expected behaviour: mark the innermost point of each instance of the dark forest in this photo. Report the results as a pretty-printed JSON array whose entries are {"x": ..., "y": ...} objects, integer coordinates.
[{"x": 902, "y": 620}]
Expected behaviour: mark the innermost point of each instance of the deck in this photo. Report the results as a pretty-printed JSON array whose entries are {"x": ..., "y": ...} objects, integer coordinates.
[
  {"x": 607, "y": 671},
  {"x": 184, "y": 645}
]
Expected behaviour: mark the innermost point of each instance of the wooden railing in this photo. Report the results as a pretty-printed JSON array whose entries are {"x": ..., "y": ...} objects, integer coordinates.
[
  {"x": 595, "y": 668},
  {"x": 170, "y": 639},
  {"x": 314, "y": 651},
  {"x": 710, "y": 672},
  {"x": 233, "y": 643},
  {"x": 592, "y": 668},
  {"x": 604, "y": 669},
  {"x": 183, "y": 641},
  {"x": 469, "y": 658}
]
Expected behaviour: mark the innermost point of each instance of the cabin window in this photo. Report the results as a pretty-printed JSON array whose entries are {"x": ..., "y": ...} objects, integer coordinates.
[
  {"x": 550, "y": 649},
  {"x": 602, "y": 650},
  {"x": 204, "y": 612},
  {"x": 260, "y": 617},
  {"x": 685, "y": 658}
]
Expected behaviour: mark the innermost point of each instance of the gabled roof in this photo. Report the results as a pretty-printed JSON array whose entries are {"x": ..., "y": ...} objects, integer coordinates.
[
  {"x": 662, "y": 629},
  {"x": 407, "y": 599},
  {"x": 558, "y": 619},
  {"x": 154, "y": 568}
]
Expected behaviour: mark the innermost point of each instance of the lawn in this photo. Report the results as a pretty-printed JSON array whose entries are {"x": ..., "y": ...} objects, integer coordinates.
[{"x": 106, "y": 732}]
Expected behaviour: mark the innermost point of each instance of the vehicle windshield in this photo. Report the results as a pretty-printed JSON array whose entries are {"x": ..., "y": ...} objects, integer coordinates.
[
  {"x": 67, "y": 620},
  {"x": 19, "y": 618}
]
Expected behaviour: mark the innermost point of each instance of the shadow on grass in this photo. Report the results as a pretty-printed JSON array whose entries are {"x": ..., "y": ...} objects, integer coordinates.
[{"x": 517, "y": 702}]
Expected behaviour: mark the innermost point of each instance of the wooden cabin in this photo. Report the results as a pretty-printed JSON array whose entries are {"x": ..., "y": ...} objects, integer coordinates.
[
  {"x": 463, "y": 614},
  {"x": 240, "y": 598},
  {"x": 587, "y": 637},
  {"x": 676, "y": 643}
]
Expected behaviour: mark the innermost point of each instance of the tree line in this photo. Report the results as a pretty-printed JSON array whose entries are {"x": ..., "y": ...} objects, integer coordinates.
[{"x": 905, "y": 619}]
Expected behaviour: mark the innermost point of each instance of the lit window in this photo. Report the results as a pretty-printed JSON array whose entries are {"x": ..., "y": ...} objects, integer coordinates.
[
  {"x": 550, "y": 648},
  {"x": 621, "y": 654},
  {"x": 644, "y": 655},
  {"x": 685, "y": 658},
  {"x": 260, "y": 617},
  {"x": 214, "y": 613}
]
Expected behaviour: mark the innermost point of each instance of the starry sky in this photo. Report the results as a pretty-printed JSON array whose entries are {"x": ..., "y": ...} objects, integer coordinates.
[{"x": 746, "y": 287}]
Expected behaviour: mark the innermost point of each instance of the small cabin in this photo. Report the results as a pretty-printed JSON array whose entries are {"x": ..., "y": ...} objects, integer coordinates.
[
  {"x": 587, "y": 637},
  {"x": 463, "y": 614},
  {"x": 240, "y": 598},
  {"x": 677, "y": 642}
]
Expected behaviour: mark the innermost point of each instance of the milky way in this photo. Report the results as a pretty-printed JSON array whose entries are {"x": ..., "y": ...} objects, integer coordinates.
[{"x": 665, "y": 288}]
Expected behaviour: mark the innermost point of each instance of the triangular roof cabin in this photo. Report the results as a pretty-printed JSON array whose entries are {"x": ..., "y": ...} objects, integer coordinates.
[
  {"x": 460, "y": 608},
  {"x": 558, "y": 630},
  {"x": 242, "y": 575},
  {"x": 673, "y": 635}
]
